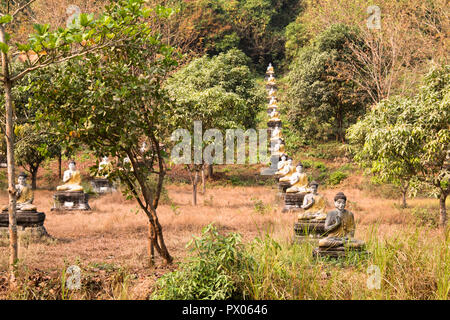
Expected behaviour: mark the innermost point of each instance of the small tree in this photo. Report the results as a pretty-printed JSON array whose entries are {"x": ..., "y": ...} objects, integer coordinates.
[
  {"x": 323, "y": 102},
  {"x": 113, "y": 102},
  {"x": 46, "y": 47},
  {"x": 402, "y": 139},
  {"x": 32, "y": 148},
  {"x": 220, "y": 92},
  {"x": 386, "y": 141}
]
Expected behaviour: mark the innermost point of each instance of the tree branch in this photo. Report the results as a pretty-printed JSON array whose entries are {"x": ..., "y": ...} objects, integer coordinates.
[{"x": 22, "y": 7}]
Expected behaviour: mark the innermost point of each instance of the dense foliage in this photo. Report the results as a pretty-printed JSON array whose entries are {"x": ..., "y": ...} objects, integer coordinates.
[
  {"x": 322, "y": 101},
  {"x": 403, "y": 139}
]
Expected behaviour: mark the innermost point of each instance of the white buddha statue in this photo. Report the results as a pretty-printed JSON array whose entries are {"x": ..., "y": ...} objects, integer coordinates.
[
  {"x": 270, "y": 69},
  {"x": 298, "y": 180},
  {"x": 271, "y": 80},
  {"x": 24, "y": 195},
  {"x": 286, "y": 171},
  {"x": 71, "y": 179},
  {"x": 276, "y": 134},
  {"x": 104, "y": 165},
  {"x": 282, "y": 162},
  {"x": 272, "y": 92},
  {"x": 273, "y": 102},
  {"x": 274, "y": 116}
]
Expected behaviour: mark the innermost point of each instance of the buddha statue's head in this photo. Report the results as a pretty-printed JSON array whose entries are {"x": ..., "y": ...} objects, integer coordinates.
[
  {"x": 72, "y": 165},
  {"x": 283, "y": 157},
  {"x": 314, "y": 186},
  {"x": 289, "y": 161},
  {"x": 299, "y": 167},
  {"x": 22, "y": 179},
  {"x": 105, "y": 159},
  {"x": 340, "y": 200}
]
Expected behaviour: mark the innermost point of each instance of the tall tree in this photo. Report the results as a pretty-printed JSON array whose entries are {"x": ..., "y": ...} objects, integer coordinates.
[
  {"x": 402, "y": 139},
  {"x": 46, "y": 47},
  {"x": 322, "y": 101},
  {"x": 113, "y": 103},
  {"x": 220, "y": 93}
]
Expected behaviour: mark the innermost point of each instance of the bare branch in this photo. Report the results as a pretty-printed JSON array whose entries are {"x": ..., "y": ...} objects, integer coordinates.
[{"x": 22, "y": 7}]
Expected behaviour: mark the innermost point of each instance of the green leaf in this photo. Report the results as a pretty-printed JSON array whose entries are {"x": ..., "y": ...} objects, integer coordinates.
[
  {"x": 5, "y": 19},
  {"x": 4, "y": 47}
]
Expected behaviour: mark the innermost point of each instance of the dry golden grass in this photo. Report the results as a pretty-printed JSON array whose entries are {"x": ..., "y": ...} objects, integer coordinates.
[{"x": 115, "y": 232}]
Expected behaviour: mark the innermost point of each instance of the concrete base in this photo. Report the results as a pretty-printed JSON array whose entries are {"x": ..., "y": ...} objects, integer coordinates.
[
  {"x": 70, "y": 201},
  {"x": 102, "y": 186},
  {"x": 309, "y": 227},
  {"x": 337, "y": 252},
  {"x": 23, "y": 218},
  {"x": 293, "y": 202},
  {"x": 26, "y": 234}
]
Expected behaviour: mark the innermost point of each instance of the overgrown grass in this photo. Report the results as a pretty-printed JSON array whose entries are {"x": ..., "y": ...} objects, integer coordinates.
[{"x": 408, "y": 266}]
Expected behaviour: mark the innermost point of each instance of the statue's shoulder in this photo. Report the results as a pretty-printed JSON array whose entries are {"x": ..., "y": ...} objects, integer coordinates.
[{"x": 332, "y": 213}]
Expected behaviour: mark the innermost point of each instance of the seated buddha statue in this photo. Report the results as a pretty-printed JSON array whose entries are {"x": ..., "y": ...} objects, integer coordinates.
[
  {"x": 103, "y": 168},
  {"x": 24, "y": 195},
  {"x": 71, "y": 179},
  {"x": 271, "y": 80},
  {"x": 277, "y": 147},
  {"x": 272, "y": 92},
  {"x": 286, "y": 169},
  {"x": 273, "y": 102},
  {"x": 298, "y": 180},
  {"x": 340, "y": 226},
  {"x": 270, "y": 69},
  {"x": 276, "y": 134},
  {"x": 281, "y": 162},
  {"x": 287, "y": 172},
  {"x": 314, "y": 204},
  {"x": 274, "y": 116}
]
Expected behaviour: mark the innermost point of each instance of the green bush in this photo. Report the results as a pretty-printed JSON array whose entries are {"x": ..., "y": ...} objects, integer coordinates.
[
  {"x": 336, "y": 177},
  {"x": 213, "y": 273}
]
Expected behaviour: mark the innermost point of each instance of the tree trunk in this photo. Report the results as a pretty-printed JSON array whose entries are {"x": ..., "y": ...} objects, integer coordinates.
[
  {"x": 194, "y": 188},
  {"x": 203, "y": 180},
  {"x": 210, "y": 170},
  {"x": 405, "y": 188},
  {"x": 151, "y": 246},
  {"x": 442, "y": 209},
  {"x": 34, "y": 172},
  {"x": 60, "y": 165},
  {"x": 10, "y": 159}
]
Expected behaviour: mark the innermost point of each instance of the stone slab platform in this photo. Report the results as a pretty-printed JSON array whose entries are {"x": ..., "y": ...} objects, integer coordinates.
[
  {"x": 24, "y": 218},
  {"x": 69, "y": 201}
]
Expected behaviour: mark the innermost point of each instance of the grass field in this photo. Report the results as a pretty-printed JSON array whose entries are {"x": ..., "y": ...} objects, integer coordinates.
[{"x": 110, "y": 245}]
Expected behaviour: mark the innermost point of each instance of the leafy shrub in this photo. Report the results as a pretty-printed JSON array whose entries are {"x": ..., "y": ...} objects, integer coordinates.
[
  {"x": 320, "y": 165},
  {"x": 336, "y": 177},
  {"x": 211, "y": 274}
]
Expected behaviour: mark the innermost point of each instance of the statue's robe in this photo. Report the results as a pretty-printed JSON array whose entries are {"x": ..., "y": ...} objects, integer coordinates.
[
  {"x": 343, "y": 233},
  {"x": 73, "y": 183},
  {"x": 301, "y": 185},
  {"x": 317, "y": 210},
  {"x": 24, "y": 200}
]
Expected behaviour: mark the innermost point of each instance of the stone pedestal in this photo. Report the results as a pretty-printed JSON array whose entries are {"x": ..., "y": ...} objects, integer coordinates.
[
  {"x": 273, "y": 166},
  {"x": 273, "y": 124},
  {"x": 30, "y": 225},
  {"x": 293, "y": 201},
  {"x": 338, "y": 251},
  {"x": 102, "y": 186},
  {"x": 283, "y": 186},
  {"x": 309, "y": 230},
  {"x": 68, "y": 201}
]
